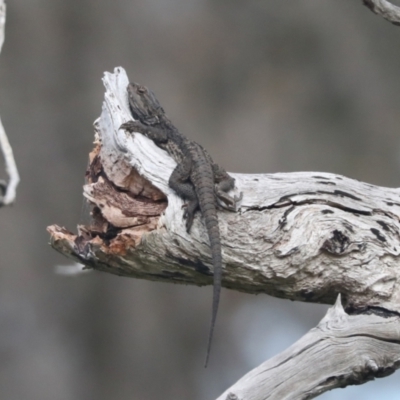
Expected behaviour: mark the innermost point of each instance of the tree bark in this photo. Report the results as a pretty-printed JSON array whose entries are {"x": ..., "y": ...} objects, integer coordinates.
[{"x": 305, "y": 236}]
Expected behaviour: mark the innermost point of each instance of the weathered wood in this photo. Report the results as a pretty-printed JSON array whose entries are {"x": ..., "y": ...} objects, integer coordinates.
[
  {"x": 385, "y": 9},
  {"x": 342, "y": 350},
  {"x": 303, "y": 236}
]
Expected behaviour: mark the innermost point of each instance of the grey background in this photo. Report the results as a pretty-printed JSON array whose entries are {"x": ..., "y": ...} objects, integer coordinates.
[{"x": 266, "y": 86}]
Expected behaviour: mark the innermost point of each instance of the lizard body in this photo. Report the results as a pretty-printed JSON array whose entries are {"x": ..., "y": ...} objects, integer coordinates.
[{"x": 196, "y": 178}]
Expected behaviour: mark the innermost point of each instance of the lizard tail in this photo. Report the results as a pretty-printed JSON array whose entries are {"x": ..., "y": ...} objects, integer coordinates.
[{"x": 211, "y": 222}]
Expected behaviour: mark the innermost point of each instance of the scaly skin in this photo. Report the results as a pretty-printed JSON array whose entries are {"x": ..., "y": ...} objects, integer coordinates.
[{"x": 196, "y": 178}]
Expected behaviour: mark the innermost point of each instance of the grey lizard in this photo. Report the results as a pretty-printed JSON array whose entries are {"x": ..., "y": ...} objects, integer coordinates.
[{"x": 196, "y": 178}]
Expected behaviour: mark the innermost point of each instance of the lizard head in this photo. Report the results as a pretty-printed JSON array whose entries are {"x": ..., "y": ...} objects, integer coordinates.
[{"x": 143, "y": 104}]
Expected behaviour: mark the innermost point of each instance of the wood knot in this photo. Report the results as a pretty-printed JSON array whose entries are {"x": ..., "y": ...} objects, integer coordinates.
[{"x": 337, "y": 243}]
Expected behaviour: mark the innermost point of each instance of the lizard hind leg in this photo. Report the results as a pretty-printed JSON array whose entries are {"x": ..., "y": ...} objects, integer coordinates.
[{"x": 180, "y": 183}]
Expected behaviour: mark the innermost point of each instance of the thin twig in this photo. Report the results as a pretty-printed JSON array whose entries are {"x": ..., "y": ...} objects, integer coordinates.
[
  {"x": 2, "y": 22},
  {"x": 11, "y": 166},
  {"x": 385, "y": 9}
]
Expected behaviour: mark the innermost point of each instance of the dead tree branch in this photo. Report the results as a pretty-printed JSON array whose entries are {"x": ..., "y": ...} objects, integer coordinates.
[
  {"x": 10, "y": 189},
  {"x": 385, "y": 9},
  {"x": 342, "y": 350},
  {"x": 302, "y": 236}
]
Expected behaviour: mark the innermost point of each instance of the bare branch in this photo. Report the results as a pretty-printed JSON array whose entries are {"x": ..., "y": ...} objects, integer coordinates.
[
  {"x": 342, "y": 350},
  {"x": 302, "y": 236},
  {"x": 11, "y": 167},
  {"x": 2, "y": 22},
  {"x": 385, "y": 9}
]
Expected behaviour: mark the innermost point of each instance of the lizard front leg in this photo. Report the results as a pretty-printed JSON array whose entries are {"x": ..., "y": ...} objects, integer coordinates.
[{"x": 155, "y": 133}]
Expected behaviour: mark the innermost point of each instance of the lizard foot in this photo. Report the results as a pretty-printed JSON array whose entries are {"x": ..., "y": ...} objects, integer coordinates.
[
  {"x": 188, "y": 213},
  {"x": 230, "y": 203}
]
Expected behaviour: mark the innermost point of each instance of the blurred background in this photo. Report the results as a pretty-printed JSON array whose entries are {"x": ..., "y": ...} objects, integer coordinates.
[{"x": 265, "y": 86}]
